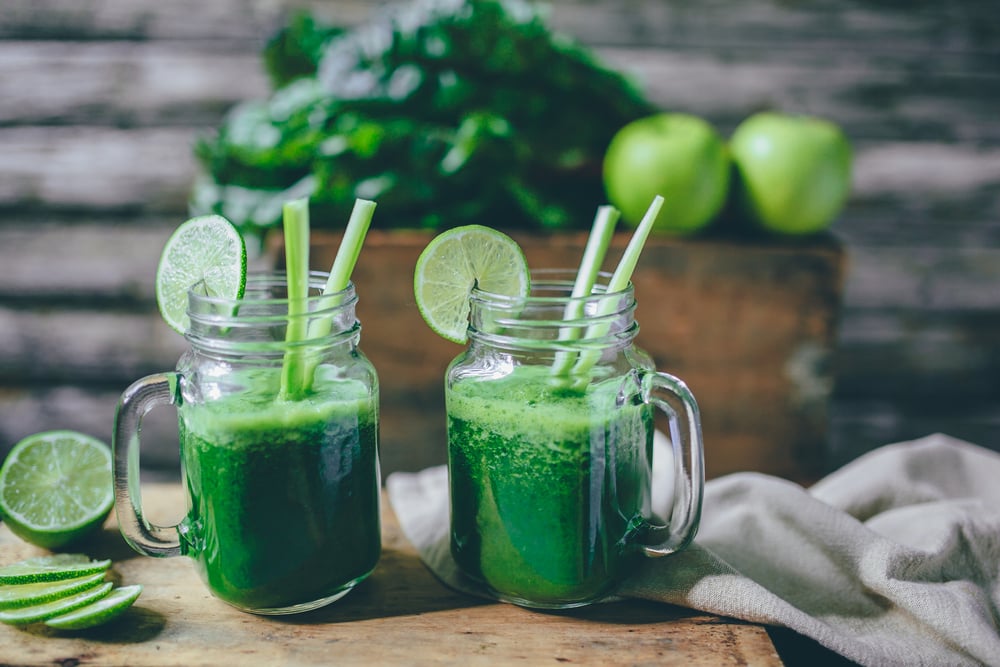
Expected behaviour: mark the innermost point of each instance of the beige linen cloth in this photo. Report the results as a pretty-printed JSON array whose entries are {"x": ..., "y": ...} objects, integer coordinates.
[{"x": 892, "y": 560}]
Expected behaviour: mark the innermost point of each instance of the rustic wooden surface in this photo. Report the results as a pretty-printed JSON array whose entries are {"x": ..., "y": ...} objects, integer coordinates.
[
  {"x": 100, "y": 101},
  {"x": 400, "y": 615},
  {"x": 749, "y": 327}
]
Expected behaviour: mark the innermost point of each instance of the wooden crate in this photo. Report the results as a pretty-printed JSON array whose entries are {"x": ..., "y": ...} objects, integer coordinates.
[{"x": 749, "y": 326}]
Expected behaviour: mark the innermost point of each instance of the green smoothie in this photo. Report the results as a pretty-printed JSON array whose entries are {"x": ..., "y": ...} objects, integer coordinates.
[
  {"x": 285, "y": 495},
  {"x": 548, "y": 485}
]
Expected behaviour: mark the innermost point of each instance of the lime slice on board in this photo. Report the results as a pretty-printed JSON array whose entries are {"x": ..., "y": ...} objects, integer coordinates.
[
  {"x": 40, "y": 612},
  {"x": 103, "y": 610},
  {"x": 25, "y": 595},
  {"x": 55, "y": 487},
  {"x": 51, "y": 568},
  {"x": 208, "y": 251},
  {"x": 457, "y": 260}
]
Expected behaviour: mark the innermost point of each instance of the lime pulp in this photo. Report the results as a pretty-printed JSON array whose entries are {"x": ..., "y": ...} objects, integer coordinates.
[{"x": 56, "y": 487}]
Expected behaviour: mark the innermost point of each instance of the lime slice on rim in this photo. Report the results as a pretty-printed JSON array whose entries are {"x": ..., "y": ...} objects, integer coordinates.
[
  {"x": 40, "y": 612},
  {"x": 207, "y": 250},
  {"x": 457, "y": 260},
  {"x": 55, "y": 487},
  {"x": 103, "y": 610},
  {"x": 24, "y": 595}
]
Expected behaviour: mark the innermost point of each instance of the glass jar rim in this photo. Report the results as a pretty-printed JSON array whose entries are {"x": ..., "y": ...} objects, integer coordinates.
[
  {"x": 554, "y": 321},
  {"x": 260, "y": 280},
  {"x": 255, "y": 321},
  {"x": 553, "y": 279}
]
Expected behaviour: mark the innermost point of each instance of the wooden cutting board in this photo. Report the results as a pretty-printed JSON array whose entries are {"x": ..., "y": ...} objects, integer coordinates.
[{"x": 400, "y": 615}]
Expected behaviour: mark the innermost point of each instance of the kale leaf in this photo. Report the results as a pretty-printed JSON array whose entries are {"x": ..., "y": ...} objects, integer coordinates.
[{"x": 446, "y": 112}]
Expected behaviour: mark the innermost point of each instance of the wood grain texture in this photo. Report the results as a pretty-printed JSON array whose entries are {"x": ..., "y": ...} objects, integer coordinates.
[
  {"x": 124, "y": 84},
  {"x": 400, "y": 615},
  {"x": 969, "y": 27}
]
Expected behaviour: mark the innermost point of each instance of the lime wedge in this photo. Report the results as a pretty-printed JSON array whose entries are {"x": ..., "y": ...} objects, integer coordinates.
[
  {"x": 55, "y": 487},
  {"x": 40, "y": 612},
  {"x": 457, "y": 260},
  {"x": 51, "y": 568},
  {"x": 25, "y": 595},
  {"x": 207, "y": 250},
  {"x": 96, "y": 613}
]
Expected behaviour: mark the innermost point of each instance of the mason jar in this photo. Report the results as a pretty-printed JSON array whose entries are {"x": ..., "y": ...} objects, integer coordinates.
[
  {"x": 551, "y": 414},
  {"x": 278, "y": 444}
]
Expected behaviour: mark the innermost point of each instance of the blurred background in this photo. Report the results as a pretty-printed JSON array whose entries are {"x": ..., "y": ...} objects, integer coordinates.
[{"x": 101, "y": 102}]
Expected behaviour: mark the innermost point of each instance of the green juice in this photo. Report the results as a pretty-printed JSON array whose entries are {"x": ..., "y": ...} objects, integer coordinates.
[
  {"x": 284, "y": 495},
  {"x": 549, "y": 485}
]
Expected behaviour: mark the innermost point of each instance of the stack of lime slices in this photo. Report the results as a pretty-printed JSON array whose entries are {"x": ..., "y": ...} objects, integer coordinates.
[
  {"x": 56, "y": 489},
  {"x": 64, "y": 591}
]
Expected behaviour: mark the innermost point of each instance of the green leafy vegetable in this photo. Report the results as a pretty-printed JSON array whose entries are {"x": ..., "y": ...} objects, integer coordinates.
[
  {"x": 294, "y": 51},
  {"x": 446, "y": 112}
]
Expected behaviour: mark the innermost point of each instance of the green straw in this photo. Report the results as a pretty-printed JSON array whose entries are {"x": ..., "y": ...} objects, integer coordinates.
[
  {"x": 619, "y": 281},
  {"x": 593, "y": 257},
  {"x": 340, "y": 274},
  {"x": 350, "y": 248},
  {"x": 295, "y": 220},
  {"x": 298, "y": 369}
]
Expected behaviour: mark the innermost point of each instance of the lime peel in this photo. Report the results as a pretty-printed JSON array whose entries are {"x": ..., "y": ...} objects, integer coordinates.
[
  {"x": 96, "y": 613},
  {"x": 55, "y": 567}
]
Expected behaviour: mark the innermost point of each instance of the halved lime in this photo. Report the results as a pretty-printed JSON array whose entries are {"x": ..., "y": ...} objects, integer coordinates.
[
  {"x": 55, "y": 487},
  {"x": 207, "y": 250},
  {"x": 457, "y": 260},
  {"x": 55, "y": 567},
  {"x": 105, "y": 609},
  {"x": 40, "y": 612},
  {"x": 25, "y": 595}
]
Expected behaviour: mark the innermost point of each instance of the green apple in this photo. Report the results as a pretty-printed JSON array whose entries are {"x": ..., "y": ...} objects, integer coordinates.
[
  {"x": 676, "y": 155},
  {"x": 793, "y": 173}
]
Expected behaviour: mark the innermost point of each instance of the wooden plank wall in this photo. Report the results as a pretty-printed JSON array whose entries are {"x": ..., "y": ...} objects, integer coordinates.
[{"x": 100, "y": 101}]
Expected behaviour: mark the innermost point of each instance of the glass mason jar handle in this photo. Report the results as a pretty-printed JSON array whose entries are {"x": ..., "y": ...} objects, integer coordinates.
[
  {"x": 668, "y": 393},
  {"x": 141, "y": 397}
]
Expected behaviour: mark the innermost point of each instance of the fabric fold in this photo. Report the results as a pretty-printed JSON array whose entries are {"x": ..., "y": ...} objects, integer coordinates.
[{"x": 892, "y": 560}]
